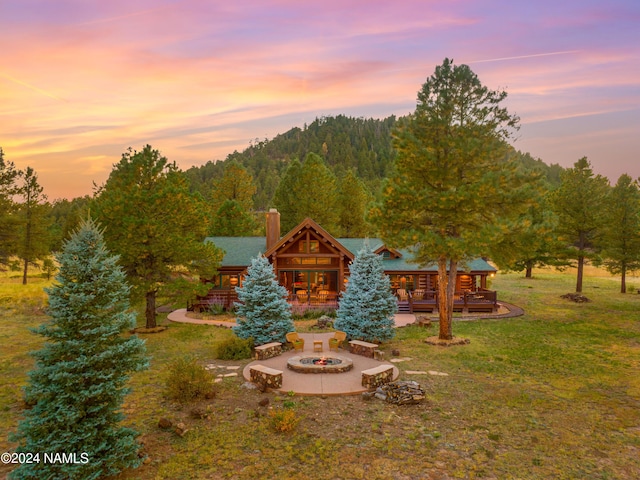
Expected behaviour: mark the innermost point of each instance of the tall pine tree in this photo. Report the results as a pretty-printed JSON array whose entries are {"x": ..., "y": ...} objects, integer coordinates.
[
  {"x": 308, "y": 190},
  {"x": 154, "y": 223},
  {"x": 264, "y": 313},
  {"x": 533, "y": 243},
  {"x": 352, "y": 204},
  {"x": 8, "y": 218},
  {"x": 78, "y": 384},
  {"x": 231, "y": 220},
  {"x": 367, "y": 307},
  {"x": 579, "y": 203},
  {"x": 453, "y": 194},
  {"x": 620, "y": 239},
  {"x": 33, "y": 217},
  {"x": 236, "y": 184}
]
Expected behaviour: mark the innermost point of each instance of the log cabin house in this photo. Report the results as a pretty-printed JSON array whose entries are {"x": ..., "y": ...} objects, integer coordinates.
[{"x": 314, "y": 268}]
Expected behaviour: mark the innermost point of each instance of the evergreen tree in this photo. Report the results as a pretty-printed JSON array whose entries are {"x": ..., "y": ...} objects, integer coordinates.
[
  {"x": 235, "y": 184},
  {"x": 33, "y": 217},
  {"x": 154, "y": 223},
  {"x": 352, "y": 204},
  {"x": 533, "y": 243},
  {"x": 620, "y": 239},
  {"x": 579, "y": 203},
  {"x": 454, "y": 193},
  {"x": 231, "y": 220},
  {"x": 367, "y": 307},
  {"x": 284, "y": 198},
  {"x": 308, "y": 190},
  {"x": 65, "y": 216},
  {"x": 78, "y": 384},
  {"x": 8, "y": 219},
  {"x": 264, "y": 313},
  {"x": 268, "y": 181}
]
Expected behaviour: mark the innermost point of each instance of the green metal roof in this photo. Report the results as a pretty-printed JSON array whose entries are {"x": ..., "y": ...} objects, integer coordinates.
[
  {"x": 240, "y": 250},
  {"x": 404, "y": 264},
  {"x": 354, "y": 245}
]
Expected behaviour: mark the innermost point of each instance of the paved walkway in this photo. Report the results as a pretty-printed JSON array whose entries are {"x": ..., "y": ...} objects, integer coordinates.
[
  {"x": 180, "y": 316},
  {"x": 401, "y": 319}
]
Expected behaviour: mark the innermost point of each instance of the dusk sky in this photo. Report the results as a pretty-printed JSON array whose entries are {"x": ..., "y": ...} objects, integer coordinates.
[{"x": 83, "y": 80}]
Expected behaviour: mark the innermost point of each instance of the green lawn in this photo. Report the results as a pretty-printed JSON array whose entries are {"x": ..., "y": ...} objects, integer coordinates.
[{"x": 552, "y": 394}]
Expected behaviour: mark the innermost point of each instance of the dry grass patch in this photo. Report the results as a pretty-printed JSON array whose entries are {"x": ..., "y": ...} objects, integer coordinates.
[
  {"x": 441, "y": 342},
  {"x": 552, "y": 394}
]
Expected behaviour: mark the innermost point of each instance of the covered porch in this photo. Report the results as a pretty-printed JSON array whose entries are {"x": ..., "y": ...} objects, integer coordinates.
[
  {"x": 314, "y": 266},
  {"x": 409, "y": 301},
  {"x": 480, "y": 300},
  {"x": 418, "y": 292}
]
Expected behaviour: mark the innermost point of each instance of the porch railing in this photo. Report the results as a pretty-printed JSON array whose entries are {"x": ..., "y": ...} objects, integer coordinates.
[
  {"x": 303, "y": 302},
  {"x": 223, "y": 299},
  {"x": 413, "y": 301},
  {"x": 471, "y": 301}
]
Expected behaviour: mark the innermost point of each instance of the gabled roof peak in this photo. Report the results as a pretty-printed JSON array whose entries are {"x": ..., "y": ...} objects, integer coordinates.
[{"x": 309, "y": 224}]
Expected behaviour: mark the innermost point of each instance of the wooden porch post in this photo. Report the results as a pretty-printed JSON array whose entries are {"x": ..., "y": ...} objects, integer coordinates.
[{"x": 274, "y": 264}]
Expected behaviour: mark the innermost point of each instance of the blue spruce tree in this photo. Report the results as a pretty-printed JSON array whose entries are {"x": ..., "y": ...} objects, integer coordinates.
[
  {"x": 78, "y": 383},
  {"x": 264, "y": 313},
  {"x": 367, "y": 307}
]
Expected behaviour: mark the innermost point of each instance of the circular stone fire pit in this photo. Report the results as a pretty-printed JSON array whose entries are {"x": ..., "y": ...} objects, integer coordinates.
[{"x": 320, "y": 364}]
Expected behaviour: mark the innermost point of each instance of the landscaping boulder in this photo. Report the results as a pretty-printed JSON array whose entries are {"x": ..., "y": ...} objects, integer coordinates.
[
  {"x": 199, "y": 413},
  {"x": 164, "y": 423},
  {"x": 181, "y": 429}
]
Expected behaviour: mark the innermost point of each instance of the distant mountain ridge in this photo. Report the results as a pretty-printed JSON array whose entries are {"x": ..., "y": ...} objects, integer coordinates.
[{"x": 363, "y": 145}]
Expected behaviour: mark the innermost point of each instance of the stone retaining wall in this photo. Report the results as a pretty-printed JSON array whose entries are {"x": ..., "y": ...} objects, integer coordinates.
[
  {"x": 375, "y": 377},
  {"x": 268, "y": 350},
  {"x": 265, "y": 377},
  {"x": 365, "y": 349}
]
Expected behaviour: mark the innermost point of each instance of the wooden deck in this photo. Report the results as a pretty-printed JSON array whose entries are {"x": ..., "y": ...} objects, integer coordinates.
[
  {"x": 467, "y": 302},
  {"x": 301, "y": 303},
  {"x": 482, "y": 301},
  {"x": 222, "y": 298}
]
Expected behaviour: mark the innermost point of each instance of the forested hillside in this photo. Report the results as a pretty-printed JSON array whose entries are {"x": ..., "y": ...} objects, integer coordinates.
[{"x": 344, "y": 143}]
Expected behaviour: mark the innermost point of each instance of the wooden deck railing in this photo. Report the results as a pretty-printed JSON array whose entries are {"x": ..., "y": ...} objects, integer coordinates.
[
  {"x": 415, "y": 301},
  {"x": 302, "y": 302},
  {"x": 224, "y": 299},
  {"x": 427, "y": 300}
]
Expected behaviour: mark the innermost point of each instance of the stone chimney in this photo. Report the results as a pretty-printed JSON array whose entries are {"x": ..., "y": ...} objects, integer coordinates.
[{"x": 273, "y": 227}]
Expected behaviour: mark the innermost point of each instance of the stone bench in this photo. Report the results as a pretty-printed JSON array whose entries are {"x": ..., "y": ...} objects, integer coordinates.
[
  {"x": 265, "y": 377},
  {"x": 268, "y": 350},
  {"x": 366, "y": 349},
  {"x": 376, "y": 376}
]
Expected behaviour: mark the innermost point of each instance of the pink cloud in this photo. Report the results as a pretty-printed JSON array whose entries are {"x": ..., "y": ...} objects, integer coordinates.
[{"x": 84, "y": 80}]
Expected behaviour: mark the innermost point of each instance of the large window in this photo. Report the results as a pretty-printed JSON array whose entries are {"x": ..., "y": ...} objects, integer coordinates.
[
  {"x": 306, "y": 260},
  {"x": 405, "y": 282},
  {"x": 309, "y": 281},
  {"x": 226, "y": 281},
  {"x": 311, "y": 246}
]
